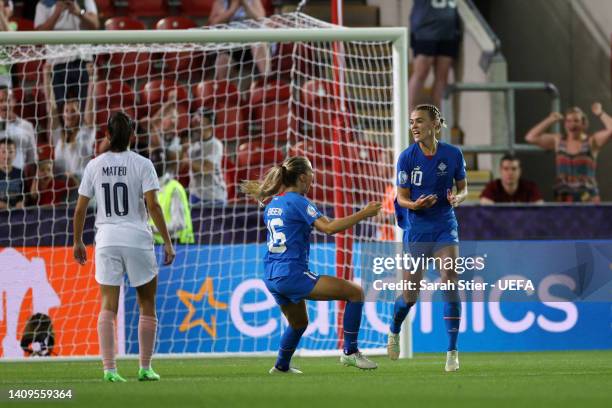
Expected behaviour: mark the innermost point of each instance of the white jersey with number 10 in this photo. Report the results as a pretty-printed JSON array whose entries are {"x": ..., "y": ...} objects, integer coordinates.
[{"x": 118, "y": 181}]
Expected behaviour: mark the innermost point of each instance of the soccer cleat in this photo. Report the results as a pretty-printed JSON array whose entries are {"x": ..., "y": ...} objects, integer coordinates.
[
  {"x": 393, "y": 345},
  {"x": 148, "y": 375},
  {"x": 291, "y": 370},
  {"x": 113, "y": 377},
  {"x": 358, "y": 360},
  {"x": 452, "y": 361}
]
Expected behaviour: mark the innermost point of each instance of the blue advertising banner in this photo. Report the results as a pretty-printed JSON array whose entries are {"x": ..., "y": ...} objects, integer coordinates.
[{"x": 213, "y": 300}]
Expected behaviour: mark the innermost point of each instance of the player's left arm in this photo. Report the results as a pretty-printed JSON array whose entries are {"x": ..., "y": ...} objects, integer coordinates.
[
  {"x": 461, "y": 194},
  {"x": 80, "y": 254}
]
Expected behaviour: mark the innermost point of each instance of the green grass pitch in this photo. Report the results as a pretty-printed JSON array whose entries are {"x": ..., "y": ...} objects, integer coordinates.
[{"x": 517, "y": 380}]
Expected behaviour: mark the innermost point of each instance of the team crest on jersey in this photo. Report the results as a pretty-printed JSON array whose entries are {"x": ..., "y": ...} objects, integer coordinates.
[
  {"x": 442, "y": 167},
  {"x": 311, "y": 210},
  {"x": 402, "y": 177}
]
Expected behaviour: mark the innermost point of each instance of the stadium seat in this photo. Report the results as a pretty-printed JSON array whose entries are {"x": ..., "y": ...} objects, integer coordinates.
[
  {"x": 230, "y": 123},
  {"x": 256, "y": 153},
  {"x": 272, "y": 90},
  {"x": 23, "y": 24},
  {"x": 123, "y": 23},
  {"x": 316, "y": 92},
  {"x": 175, "y": 23},
  {"x": 196, "y": 8},
  {"x": 106, "y": 8},
  {"x": 273, "y": 120},
  {"x": 30, "y": 71},
  {"x": 154, "y": 93},
  {"x": 147, "y": 8},
  {"x": 373, "y": 169},
  {"x": 111, "y": 96},
  {"x": 130, "y": 65},
  {"x": 319, "y": 152},
  {"x": 31, "y": 105},
  {"x": 212, "y": 93}
]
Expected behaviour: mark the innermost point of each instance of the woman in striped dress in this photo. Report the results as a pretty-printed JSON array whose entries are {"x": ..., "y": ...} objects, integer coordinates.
[{"x": 576, "y": 152}]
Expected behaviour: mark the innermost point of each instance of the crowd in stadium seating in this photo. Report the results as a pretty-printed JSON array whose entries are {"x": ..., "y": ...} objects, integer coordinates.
[{"x": 189, "y": 109}]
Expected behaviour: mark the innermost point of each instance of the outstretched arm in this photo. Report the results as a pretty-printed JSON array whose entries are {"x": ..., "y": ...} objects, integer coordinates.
[
  {"x": 603, "y": 136},
  {"x": 331, "y": 227},
  {"x": 89, "y": 103},
  {"x": 537, "y": 135}
]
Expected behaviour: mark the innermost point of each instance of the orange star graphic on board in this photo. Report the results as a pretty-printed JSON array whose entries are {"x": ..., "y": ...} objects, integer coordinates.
[{"x": 207, "y": 288}]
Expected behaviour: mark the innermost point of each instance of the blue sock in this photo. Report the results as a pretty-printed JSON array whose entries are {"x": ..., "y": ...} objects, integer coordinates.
[
  {"x": 289, "y": 342},
  {"x": 400, "y": 311},
  {"x": 452, "y": 319},
  {"x": 352, "y": 321}
]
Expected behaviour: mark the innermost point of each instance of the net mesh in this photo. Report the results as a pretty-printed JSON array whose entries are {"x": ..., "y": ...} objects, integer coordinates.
[{"x": 261, "y": 102}]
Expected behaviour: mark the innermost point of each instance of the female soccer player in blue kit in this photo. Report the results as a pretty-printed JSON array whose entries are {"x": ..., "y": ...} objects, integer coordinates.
[
  {"x": 426, "y": 172},
  {"x": 289, "y": 217}
]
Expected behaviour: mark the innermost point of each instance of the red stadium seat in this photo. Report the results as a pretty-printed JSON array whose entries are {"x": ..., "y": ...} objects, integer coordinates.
[
  {"x": 212, "y": 93},
  {"x": 147, "y": 8},
  {"x": 274, "y": 119},
  {"x": 270, "y": 91},
  {"x": 31, "y": 105},
  {"x": 319, "y": 152},
  {"x": 31, "y": 71},
  {"x": 105, "y": 8},
  {"x": 230, "y": 123},
  {"x": 175, "y": 23},
  {"x": 123, "y": 23},
  {"x": 23, "y": 24},
  {"x": 130, "y": 65},
  {"x": 256, "y": 153},
  {"x": 197, "y": 8},
  {"x": 112, "y": 96},
  {"x": 373, "y": 168},
  {"x": 176, "y": 63},
  {"x": 154, "y": 93},
  {"x": 316, "y": 92}
]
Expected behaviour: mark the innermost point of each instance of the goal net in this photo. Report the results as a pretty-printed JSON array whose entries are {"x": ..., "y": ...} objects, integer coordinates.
[{"x": 333, "y": 101}]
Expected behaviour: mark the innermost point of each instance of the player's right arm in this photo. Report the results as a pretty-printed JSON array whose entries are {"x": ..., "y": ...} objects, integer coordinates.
[
  {"x": 157, "y": 216},
  {"x": 424, "y": 201},
  {"x": 330, "y": 227}
]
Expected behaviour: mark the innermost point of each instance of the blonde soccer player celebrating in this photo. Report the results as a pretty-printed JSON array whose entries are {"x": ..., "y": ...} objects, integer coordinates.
[{"x": 122, "y": 182}]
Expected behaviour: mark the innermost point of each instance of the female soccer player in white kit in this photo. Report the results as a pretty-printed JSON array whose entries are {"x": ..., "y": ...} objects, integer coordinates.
[{"x": 119, "y": 179}]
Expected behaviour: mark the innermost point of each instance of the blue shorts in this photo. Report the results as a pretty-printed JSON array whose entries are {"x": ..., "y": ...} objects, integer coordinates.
[
  {"x": 428, "y": 243},
  {"x": 292, "y": 288}
]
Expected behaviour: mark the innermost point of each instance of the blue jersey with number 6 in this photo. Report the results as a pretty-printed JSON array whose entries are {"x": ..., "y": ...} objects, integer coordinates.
[
  {"x": 288, "y": 218},
  {"x": 425, "y": 175}
]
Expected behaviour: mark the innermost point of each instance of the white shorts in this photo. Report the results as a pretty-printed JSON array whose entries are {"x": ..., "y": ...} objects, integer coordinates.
[{"x": 113, "y": 262}]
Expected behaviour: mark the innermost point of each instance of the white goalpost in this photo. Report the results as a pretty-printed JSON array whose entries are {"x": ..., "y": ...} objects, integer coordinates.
[{"x": 280, "y": 86}]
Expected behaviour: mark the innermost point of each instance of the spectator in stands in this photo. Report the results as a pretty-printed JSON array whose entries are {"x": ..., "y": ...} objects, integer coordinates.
[
  {"x": 11, "y": 178},
  {"x": 17, "y": 129},
  {"x": 6, "y": 11},
  {"x": 166, "y": 137},
  {"x": 72, "y": 134},
  {"x": 435, "y": 37},
  {"x": 204, "y": 156},
  {"x": 576, "y": 152},
  {"x": 174, "y": 203},
  {"x": 46, "y": 189},
  {"x": 67, "y": 15},
  {"x": 510, "y": 187},
  {"x": 228, "y": 11}
]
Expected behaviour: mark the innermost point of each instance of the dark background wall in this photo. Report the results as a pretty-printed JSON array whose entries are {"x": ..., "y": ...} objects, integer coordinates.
[{"x": 543, "y": 40}]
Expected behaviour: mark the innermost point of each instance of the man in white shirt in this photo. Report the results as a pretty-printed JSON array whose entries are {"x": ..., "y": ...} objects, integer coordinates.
[
  {"x": 67, "y": 15},
  {"x": 18, "y": 130},
  {"x": 204, "y": 157}
]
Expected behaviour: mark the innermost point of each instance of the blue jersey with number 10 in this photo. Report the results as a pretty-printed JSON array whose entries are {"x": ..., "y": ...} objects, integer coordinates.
[
  {"x": 425, "y": 175},
  {"x": 288, "y": 218}
]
